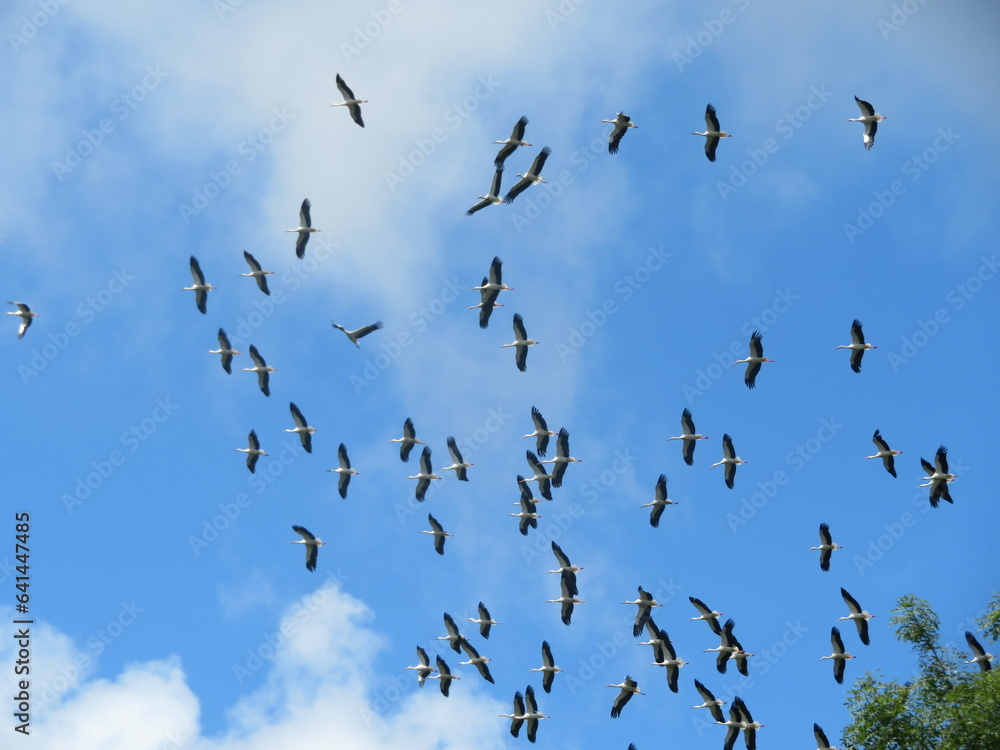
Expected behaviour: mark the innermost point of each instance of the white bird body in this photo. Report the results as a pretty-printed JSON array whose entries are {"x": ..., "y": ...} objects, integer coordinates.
[
  {"x": 532, "y": 177},
  {"x": 263, "y": 371},
  {"x": 870, "y": 118},
  {"x": 302, "y": 428},
  {"x": 712, "y": 132},
  {"x": 304, "y": 229},
  {"x": 257, "y": 273},
  {"x": 199, "y": 286},
  {"x": 689, "y": 436},
  {"x": 253, "y": 451},
  {"x": 729, "y": 459},
  {"x": 344, "y": 470},
  {"x": 621, "y": 123},
  {"x": 360, "y": 332},
  {"x": 350, "y": 101},
  {"x": 226, "y": 350},
  {"x": 510, "y": 144},
  {"x": 884, "y": 452},
  {"x": 24, "y": 312},
  {"x": 311, "y": 543},
  {"x": 408, "y": 440},
  {"x": 425, "y": 476},
  {"x": 857, "y": 346}
]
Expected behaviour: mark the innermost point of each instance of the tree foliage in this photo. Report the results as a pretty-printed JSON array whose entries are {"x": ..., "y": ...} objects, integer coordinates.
[{"x": 948, "y": 705}]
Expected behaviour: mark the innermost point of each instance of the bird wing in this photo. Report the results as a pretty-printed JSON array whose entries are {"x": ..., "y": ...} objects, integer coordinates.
[
  {"x": 517, "y": 134},
  {"x": 362, "y": 332},
  {"x": 852, "y": 603},
  {"x": 539, "y": 163},
  {"x": 867, "y": 110},
  {"x": 941, "y": 459},
  {"x": 425, "y": 461},
  {"x": 711, "y": 120},
  {"x": 297, "y": 417},
  {"x": 305, "y": 214},
  {"x": 456, "y": 454},
  {"x": 617, "y": 133},
  {"x": 342, "y": 458}
]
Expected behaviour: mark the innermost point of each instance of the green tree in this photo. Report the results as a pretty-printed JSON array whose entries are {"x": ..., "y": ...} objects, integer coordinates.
[{"x": 947, "y": 706}]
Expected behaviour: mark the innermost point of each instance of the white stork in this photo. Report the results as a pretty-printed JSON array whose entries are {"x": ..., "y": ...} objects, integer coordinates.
[
  {"x": 485, "y": 621},
  {"x": 544, "y": 480},
  {"x": 423, "y": 668},
  {"x": 729, "y": 459},
  {"x": 548, "y": 668},
  {"x": 350, "y": 101},
  {"x": 980, "y": 656},
  {"x": 445, "y": 676},
  {"x": 712, "y": 132},
  {"x": 567, "y": 600},
  {"x": 860, "y": 616},
  {"x": 839, "y": 655},
  {"x": 253, "y": 451},
  {"x": 826, "y": 547},
  {"x": 226, "y": 350},
  {"x": 312, "y": 545},
  {"x": 532, "y": 177},
  {"x": 408, "y": 440},
  {"x": 305, "y": 432},
  {"x": 857, "y": 346},
  {"x": 644, "y": 604},
  {"x": 26, "y": 315},
  {"x": 660, "y": 501},
  {"x": 477, "y": 660},
  {"x": 516, "y": 139},
  {"x": 532, "y": 714},
  {"x": 885, "y": 453},
  {"x": 304, "y": 229},
  {"x": 709, "y": 701},
  {"x": 628, "y": 688},
  {"x": 938, "y": 477},
  {"x": 755, "y": 360},
  {"x": 454, "y": 637},
  {"x": 566, "y": 569},
  {"x": 487, "y": 303},
  {"x": 516, "y": 718},
  {"x": 359, "y": 333},
  {"x": 459, "y": 465},
  {"x": 541, "y": 433},
  {"x": 689, "y": 436},
  {"x": 263, "y": 371},
  {"x": 438, "y": 532},
  {"x": 257, "y": 273},
  {"x": 493, "y": 197},
  {"x": 822, "y": 743},
  {"x": 425, "y": 475},
  {"x": 521, "y": 343},
  {"x": 344, "y": 470},
  {"x": 528, "y": 517},
  {"x": 707, "y": 614},
  {"x": 199, "y": 287},
  {"x": 562, "y": 459},
  {"x": 870, "y": 118},
  {"x": 621, "y": 125},
  {"x": 666, "y": 656}
]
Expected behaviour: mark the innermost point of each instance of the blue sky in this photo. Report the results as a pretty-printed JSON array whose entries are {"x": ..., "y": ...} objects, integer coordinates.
[{"x": 169, "y": 610}]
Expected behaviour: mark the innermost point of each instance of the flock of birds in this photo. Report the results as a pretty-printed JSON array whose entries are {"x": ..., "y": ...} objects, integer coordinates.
[{"x": 550, "y": 473}]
